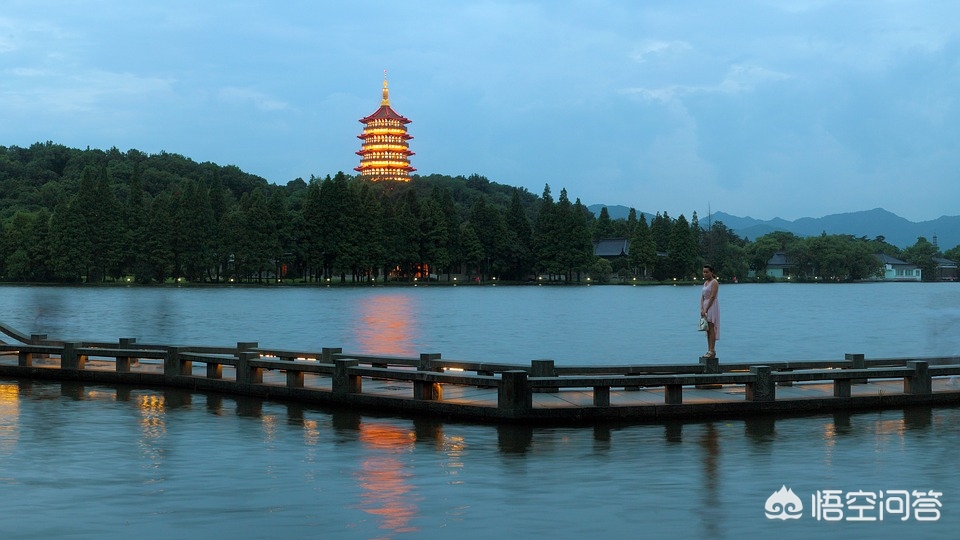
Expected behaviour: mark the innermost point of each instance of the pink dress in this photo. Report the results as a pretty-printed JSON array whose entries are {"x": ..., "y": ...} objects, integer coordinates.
[{"x": 713, "y": 314}]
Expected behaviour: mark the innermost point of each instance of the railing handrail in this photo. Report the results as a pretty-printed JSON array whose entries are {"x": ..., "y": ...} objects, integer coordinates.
[{"x": 15, "y": 334}]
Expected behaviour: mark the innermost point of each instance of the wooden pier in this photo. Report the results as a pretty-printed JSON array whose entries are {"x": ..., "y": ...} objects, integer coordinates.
[{"x": 538, "y": 392}]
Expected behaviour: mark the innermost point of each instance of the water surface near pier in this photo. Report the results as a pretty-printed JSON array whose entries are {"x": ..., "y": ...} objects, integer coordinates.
[
  {"x": 92, "y": 461},
  {"x": 572, "y": 325}
]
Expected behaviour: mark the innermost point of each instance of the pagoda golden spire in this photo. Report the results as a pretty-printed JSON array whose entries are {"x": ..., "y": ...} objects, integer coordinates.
[{"x": 386, "y": 92}]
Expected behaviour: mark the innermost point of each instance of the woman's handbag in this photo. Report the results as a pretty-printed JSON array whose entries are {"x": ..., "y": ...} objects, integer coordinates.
[{"x": 703, "y": 324}]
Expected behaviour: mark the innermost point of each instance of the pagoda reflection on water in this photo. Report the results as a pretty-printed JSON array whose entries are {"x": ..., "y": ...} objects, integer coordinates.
[{"x": 385, "y": 153}]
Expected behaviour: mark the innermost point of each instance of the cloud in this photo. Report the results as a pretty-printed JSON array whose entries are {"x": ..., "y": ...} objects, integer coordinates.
[
  {"x": 739, "y": 78},
  {"x": 51, "y": 92},
  {"x": 235, "y": 95},
  {"x": 24, "y": 35},
  {"x": 746, "y": 78},
  {"x": 659, "y": 50}
]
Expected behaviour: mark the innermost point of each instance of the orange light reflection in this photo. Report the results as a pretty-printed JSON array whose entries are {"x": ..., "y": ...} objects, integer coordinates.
[
  {"x": 9, "y": 417},
  {"x": 383, "y": 480},
  {"x": 152, "y": 422},
  {"x": 386, "y": 328}
]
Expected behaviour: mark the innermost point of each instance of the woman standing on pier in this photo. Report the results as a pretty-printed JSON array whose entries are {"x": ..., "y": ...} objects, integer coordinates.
[{"x": 710, "y": 309}]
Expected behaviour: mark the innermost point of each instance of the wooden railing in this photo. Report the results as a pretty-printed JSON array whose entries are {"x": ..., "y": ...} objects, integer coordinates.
[{"x": 341, "y": 376}]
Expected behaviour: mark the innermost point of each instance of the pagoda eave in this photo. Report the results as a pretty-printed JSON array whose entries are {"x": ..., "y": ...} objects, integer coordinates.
[{"x": 385, "y": 113}]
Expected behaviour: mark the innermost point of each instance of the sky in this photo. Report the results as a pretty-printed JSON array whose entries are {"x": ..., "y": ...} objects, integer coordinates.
[{"x": 763, "y": 109}]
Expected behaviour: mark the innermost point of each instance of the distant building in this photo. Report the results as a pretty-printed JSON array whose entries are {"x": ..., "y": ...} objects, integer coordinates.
[
  {"x": 946, "y": 270},
  {"x": 385, "y": 152},
  {"x": 611, "y": 248},
  {"x": 779, "y": 266},
  {"x": 896, "y": 270}
]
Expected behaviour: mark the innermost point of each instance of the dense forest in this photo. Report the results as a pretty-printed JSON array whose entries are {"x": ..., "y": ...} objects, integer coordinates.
[{"x": 92, "y": 216}]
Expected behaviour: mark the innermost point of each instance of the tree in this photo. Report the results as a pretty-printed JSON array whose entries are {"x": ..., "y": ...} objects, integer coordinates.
[
  {"x": 403, "y": 236},
  {"x": 76, "y": 230},
  {"x": 572, "y": 232},
  {"x": 520, "y": 241},
  {"x": 107, "y": 229},
  {"x": 349, "y": 228},
  {"x": 135, "y": 220},
  {"x": 698, "y": 236},
  {"x": 660, "y": 230},
  {"x": 490, "y": 226},
  {"x": 604, "y": 227},
  {"x": 472, "y": 253},
  {"x": 158, "y": 254},
  {"x": 580, "y": 244},
  {"x": 643, "y": 250},
  {"x": 371, "y": 256},
  {"x": 196, "y": 231},
  {"x": 433, "y": 237},
  {"x": 24, "y": 245},
  {"x": 862, "y": 260},
  {"x": 259, "y": 244},
  {"x": 682, "y": 251},
  {"x": 600, "y": 270},
  {"x": 221, "y": 201},
  {"x": 724, "y": 250},
  {"x": 921, "y": 254},
  {"x": 546, "y": 236},
  {"x": 311, "y": 240},
  {"x": 630, "y": 226}
]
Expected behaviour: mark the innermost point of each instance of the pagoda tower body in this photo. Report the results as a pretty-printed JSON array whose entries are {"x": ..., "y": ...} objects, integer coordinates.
[{"x": 385, "y": 152}]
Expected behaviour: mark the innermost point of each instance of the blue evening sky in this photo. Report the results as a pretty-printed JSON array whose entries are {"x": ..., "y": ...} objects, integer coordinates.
[{"x": 780, "y": 108}]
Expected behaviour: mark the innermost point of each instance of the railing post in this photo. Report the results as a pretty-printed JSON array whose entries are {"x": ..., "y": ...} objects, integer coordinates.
[
  {"x": 673, "y": 394},
  {"x": 294, "y": 378},
  {"x": 513, "y": 394},
  {"x": 543, "y": 368},
  {"x": 601, "y": 396},
  {"x": 326, "y": 354},
  {"x": 214, "y": 371},
  {"x": 247, "y": 374},
  {"x": 343, "y": 381},
  {"x": 857, "y": 361},
  {"x": 426, "y": 362},
  {"x": 427, "y": 390},
  {"x": 25, "y": 359},
  {"x": 711, "y": 366},
  {"x": 762, "y": 388},
  {"x": 171, "y": 362},
  {"x": 841, "y": 388},
  {"x": 919, "y": 382},
  {"x": 69, "y": 359},
  {"x": 123, "y": 362}
]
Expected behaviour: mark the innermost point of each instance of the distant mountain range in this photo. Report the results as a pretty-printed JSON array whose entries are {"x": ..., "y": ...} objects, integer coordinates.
[{"x": 869, "y": 223}]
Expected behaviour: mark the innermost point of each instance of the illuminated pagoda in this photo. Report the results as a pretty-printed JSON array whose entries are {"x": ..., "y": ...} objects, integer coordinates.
[{"x": 385, "y": 153}]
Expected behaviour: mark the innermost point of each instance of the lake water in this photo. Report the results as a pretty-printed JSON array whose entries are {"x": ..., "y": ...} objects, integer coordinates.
[{"x": 97, "y": 461}]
